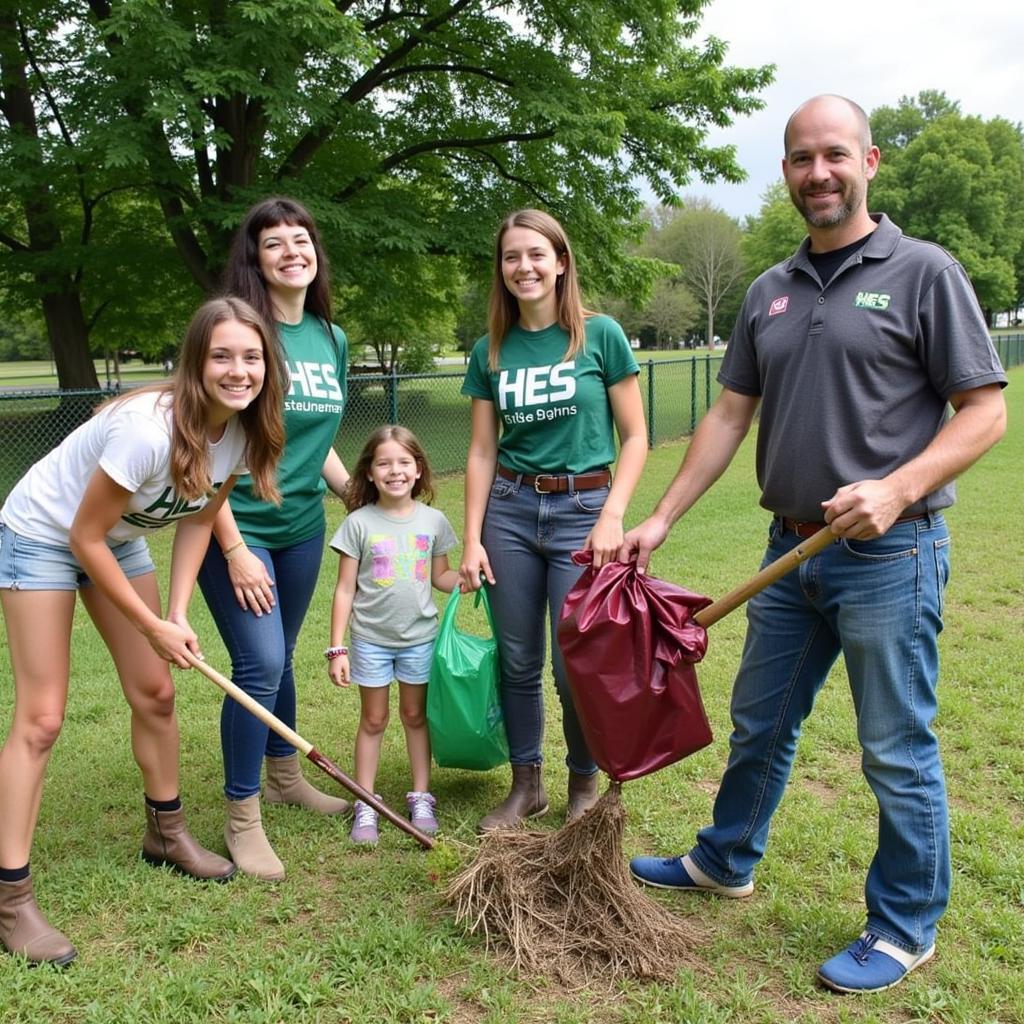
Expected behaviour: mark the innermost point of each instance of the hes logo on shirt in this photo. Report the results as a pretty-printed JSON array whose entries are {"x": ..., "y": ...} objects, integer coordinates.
[{"x": 536, "y": 385}]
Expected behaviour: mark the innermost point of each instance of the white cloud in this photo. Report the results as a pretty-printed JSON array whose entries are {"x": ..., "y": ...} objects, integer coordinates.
[{"x": 874, "y": 52}]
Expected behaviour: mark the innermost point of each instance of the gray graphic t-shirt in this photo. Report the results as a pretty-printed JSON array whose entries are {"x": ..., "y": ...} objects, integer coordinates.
[{"x": 394, "y": 602}]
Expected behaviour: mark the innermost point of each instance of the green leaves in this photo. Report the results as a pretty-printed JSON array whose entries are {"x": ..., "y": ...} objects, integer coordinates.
[
  {"x": 959, "y": 181},
  {"x": 409, "y": 127}
]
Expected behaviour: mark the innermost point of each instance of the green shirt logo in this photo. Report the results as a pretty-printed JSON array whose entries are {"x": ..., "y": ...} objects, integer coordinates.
[{"x": 872, "y": 300}]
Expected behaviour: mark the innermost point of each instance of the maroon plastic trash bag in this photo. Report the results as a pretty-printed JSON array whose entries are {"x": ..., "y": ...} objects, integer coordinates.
[{"x": 630, "y": 643}]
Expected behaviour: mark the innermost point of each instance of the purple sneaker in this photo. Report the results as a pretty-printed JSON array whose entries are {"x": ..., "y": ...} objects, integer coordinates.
[
  {"x": 421, "y": 811},
  {"x": 364, "y": 825}
]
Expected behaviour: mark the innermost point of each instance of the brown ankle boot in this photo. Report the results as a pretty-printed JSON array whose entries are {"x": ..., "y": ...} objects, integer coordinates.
[
  {"x": 582, "y": 795},
  {"x": 285, "y": 785},
  {"x": 526, "y": 799},
  {"x": 247, "y": 842},
  {"x": 24, "y": 930},
  {"x": 167, "y": 841}
]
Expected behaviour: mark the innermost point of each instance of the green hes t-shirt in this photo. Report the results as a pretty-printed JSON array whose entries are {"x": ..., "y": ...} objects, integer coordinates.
[
  {"x": 318, "y": 386},
  {"x": 554, "y": 413}
]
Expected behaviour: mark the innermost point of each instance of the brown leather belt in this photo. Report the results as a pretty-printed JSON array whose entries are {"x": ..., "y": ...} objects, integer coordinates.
[
  {"x": 809, "y": 527},
  {"x": 556, "y": 483}
]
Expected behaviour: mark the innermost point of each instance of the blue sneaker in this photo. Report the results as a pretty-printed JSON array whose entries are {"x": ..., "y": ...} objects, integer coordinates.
[
  {"x": 682, "y": 873},
  {"x": 870, "y": 964}
]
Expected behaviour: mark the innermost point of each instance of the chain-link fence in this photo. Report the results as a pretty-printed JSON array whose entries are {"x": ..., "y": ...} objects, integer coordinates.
[{"x": 676, "y": 392}]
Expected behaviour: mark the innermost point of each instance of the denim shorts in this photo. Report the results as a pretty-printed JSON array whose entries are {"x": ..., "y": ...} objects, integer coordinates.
[
  {"x": 373, "y": 665},
  {"x": 27, "y": 564}
]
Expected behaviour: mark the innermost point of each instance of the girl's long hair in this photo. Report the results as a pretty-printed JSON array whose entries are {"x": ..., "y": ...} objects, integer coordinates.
[
  {"x": 503, "y": 309},
  {"x": 261, "y": 419},
  {"x": 361, "y": 490},
  {"x": 242, "y": 275}
]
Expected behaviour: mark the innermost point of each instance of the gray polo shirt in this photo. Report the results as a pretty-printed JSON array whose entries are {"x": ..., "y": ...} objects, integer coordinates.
[{"x": 854, "y": 376}]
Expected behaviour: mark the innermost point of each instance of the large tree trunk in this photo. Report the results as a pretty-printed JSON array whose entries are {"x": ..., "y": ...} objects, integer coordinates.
[
  {"x": 69, "y": 339},
  {"x": 62, "y": 301}
]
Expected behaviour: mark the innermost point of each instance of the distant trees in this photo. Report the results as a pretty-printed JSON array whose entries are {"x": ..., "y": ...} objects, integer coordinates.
[
  {"x": 773, "y": 233},
  {"x": 959, "y": 181},
  {"x": 700, "y": 266},
  {"x": 704, "y": 242}
]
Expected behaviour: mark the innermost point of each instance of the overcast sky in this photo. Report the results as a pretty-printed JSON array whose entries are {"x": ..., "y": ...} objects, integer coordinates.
[{"x": 874, "y": 52}]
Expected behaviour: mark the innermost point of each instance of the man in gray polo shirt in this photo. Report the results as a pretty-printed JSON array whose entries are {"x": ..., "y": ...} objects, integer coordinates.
[{"x": 853, "y": 349}]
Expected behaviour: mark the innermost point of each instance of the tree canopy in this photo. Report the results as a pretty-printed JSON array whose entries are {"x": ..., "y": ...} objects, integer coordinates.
[
  {"x": 958, "y": 181},
  {"x": 774, "y": 232},
  {"x": 135, "y": 133}
]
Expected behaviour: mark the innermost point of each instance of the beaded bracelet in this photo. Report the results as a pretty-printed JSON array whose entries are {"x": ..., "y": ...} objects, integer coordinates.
[{"x": 335, "y": 652}]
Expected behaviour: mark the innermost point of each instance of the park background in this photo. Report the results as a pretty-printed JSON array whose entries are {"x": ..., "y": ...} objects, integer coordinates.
[{"x": 134, "y": 134}]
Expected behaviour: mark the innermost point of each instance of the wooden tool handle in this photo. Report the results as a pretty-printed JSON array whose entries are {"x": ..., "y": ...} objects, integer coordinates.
[
  {"x": 322, "y": 762},
  {"x": 768, "y": 575},
  {"x": 251, "y": 705}
]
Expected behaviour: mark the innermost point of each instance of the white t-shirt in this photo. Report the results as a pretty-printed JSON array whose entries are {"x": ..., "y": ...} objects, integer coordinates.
[{"x": 131, "y": 442}]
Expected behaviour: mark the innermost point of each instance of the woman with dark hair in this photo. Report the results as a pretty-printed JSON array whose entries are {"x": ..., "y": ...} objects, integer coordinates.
[
  {"x": 259, "y": 578},
  {"x": 551, "y": 384},
  {"x": 76, "y": 523}
]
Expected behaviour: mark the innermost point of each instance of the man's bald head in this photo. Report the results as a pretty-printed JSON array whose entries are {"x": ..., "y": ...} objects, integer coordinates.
[{"x": 863, "y": 125}]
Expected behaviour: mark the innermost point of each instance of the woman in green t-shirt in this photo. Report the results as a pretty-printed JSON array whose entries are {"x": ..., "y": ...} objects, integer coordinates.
[
  {"x": 259, "y": 575},
  {"x": 551, "y": 384}
]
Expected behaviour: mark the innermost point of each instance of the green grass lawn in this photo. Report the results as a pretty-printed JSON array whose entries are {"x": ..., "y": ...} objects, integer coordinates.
[{"x": 363, "y": 936}]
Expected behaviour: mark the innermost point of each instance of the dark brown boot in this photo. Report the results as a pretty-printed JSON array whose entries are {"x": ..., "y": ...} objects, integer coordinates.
[
  {"x": 526, "y": 799},
  {"x": 167, "y": 841},
  {"x": 24, "y": 930},
  {"x": 582, "y": 795}
]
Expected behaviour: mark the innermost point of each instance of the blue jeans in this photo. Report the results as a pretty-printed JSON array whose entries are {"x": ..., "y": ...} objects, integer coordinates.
[
  {"x": 879, "y": 602},
  {"x": 530, "y": 538},
  {"x": 261, "y": 655}
]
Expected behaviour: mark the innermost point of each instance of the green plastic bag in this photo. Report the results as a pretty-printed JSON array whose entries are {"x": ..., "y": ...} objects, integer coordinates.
[{"x": 467, "y": 729}]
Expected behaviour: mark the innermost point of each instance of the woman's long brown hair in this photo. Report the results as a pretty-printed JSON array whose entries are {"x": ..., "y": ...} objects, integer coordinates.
[
  {"x": 503, "y": 309},
  {"x": 261, "y": 419}
]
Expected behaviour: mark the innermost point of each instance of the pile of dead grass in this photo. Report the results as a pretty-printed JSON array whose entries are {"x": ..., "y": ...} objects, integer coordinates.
[{"x": 564, "y": 903}]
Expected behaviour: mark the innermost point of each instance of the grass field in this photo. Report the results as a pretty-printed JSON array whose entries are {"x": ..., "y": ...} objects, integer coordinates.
[{"x": 360, "y": 936}]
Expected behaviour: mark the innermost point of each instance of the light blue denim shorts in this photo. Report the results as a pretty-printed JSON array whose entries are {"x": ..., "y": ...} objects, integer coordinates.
[
  {"x": 27, "y": 564},
  {"x": 373, "y": 665}
]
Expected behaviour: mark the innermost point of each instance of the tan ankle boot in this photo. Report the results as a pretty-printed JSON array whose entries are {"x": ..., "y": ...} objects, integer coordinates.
[
  {"x": 582, "y": 795},
  {"x": 24, "y": 930},
  {"x": 526, "y": 799},
  {"x": 247, "y": 842},
  {"x": 167, "y": 841},
  {"x": 286, "y": 785}
]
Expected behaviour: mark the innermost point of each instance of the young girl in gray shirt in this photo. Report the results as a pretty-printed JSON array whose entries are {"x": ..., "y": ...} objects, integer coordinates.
[{"x": 394, "y": 551}]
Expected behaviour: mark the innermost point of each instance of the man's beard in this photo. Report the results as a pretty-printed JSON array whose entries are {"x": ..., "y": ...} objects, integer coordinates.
[{"x": 836, "y": 215}]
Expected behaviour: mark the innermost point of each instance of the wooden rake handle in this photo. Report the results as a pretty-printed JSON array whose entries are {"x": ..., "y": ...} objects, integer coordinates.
[
  {"x": 323, "y": 763},
  {"x": 768, "y": 575}
]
